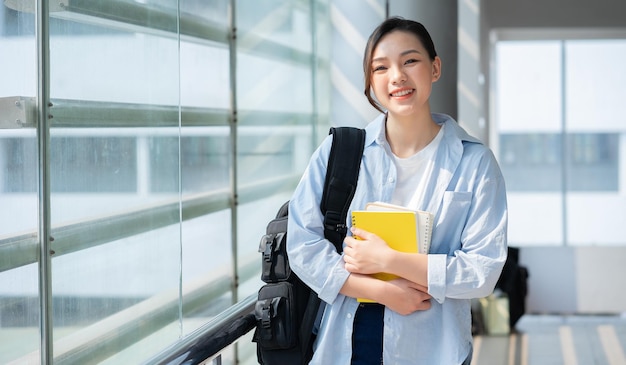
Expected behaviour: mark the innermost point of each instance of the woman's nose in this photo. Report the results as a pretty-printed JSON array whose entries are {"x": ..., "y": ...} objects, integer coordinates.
[{"x": 397, "y": 75}]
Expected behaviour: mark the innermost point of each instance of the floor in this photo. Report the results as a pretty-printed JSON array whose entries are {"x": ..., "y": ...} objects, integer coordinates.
[{"x": 555, "y": 340}]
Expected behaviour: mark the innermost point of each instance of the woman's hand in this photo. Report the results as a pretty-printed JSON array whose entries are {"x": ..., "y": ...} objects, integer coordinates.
[
  {"x": 405, "y": 297},
  {"x": 369, "y": 254},
  {"x": 400, "y": 295},
  {"x": 366, "y": 255}
]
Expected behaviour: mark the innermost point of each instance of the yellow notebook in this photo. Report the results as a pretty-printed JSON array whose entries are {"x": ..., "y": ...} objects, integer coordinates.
[
  {"x": 424, "y": 222},
  {"x": 398, "y": 229}
]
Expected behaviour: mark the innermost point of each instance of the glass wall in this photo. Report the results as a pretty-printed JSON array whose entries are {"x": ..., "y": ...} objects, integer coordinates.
[
  {"x": 171, "y": 145},
  {"x": 19, "y": 301},
  {"x": 561, "y": 128}
]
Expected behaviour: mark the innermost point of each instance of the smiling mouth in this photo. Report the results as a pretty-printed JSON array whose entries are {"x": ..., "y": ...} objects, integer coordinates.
[{"x": 402, "y": 93}]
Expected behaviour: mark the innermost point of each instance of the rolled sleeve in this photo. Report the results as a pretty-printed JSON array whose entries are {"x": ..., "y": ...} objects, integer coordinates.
[
  {"x": 334, "y": 282},
  {"x": 312, "y": 257},
  {"x": 437, "y": 276}
]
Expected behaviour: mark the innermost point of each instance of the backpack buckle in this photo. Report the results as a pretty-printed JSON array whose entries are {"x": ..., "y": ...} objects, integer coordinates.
[
  {"x": 267, "y": 313},
  {"x": 266, "y": 246},
  {"x": 332, "y": 223}
]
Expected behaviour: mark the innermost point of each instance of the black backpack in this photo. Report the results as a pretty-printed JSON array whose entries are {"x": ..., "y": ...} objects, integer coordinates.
[{"x": 286, "y": 308}]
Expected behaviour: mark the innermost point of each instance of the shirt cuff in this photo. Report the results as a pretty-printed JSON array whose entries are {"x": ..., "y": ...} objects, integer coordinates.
[
  {"x": 437, "y": 276},
  {"x": 338, "y": 276}
]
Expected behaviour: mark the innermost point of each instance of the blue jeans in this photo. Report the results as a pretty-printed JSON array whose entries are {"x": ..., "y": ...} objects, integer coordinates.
[{"x": 367, "y": 335}]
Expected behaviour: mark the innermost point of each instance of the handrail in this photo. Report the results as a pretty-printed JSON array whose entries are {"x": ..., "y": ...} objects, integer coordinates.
[
  {"x": 20, "y": 250},
  {"x": 212, "y": 338},
  {"x": 107, "y": 337}
]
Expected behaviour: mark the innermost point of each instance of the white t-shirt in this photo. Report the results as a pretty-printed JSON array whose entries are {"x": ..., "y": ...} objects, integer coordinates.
[{"x": 413, "y": 173}]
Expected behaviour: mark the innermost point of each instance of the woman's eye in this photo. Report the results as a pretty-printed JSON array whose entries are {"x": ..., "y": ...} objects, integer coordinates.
[
  {"x": 378, "y": 68},
  {"x": 412, "y": 60}
]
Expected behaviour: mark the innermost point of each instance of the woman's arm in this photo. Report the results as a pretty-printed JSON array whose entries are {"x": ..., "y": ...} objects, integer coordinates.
[
  {"x": 370, "y": 254},
  {"x": 399, "y": 295}
]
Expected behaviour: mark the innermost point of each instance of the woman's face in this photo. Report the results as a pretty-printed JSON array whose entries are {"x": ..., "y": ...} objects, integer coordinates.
[{"x": 402, "y": 73}]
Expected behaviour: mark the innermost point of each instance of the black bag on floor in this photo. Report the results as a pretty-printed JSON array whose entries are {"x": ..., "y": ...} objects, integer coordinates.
[
  {"x": 286, "y": 308},
  {"x": 514, "y": 282}
]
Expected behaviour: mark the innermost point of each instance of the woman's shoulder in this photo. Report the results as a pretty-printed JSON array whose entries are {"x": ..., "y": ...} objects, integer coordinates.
[
  {"x": 472, "y": 148},
  {"x": 453, "y": 129}
]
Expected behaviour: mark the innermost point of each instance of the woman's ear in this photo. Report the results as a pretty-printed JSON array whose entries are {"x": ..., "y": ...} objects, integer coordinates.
[{"x": 436, "y": 68}]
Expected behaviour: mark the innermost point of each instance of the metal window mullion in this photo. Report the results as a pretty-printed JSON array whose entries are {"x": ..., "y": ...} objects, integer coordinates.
[
  {"x": 232, "y": 45},
  {"x": 180, "y": 179},
  {"x": 314, "y": 66},
  {"x": 564, "y": 147},
  {"x": 232, "y": 55},
  {"x": 43, "y": 150}
]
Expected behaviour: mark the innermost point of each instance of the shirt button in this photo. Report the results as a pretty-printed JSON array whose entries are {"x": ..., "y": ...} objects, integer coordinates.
[
  {"x": 391, "y": 179},
  {"x": 349, "y": 315}
]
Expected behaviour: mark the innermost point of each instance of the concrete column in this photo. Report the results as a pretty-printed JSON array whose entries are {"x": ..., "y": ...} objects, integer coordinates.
[{"x": 440, "y": 17}]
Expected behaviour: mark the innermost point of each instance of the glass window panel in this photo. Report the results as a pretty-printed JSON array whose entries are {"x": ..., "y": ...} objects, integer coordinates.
[
  {"x": 19, "y": 299},
  {"x": 265, "y": 155},
  {"x": 128, "y": 68},
  {"x": 19, "y": 163},
  {"x": 529, "y": 122},
  {"x": 588, "y": 177},
  {"x": 528, "y": 75},
  {"x": 95, "y": 290},
  {"x": 210, "y": 11},
  {"x": 102, "y": 171},
  {"x": 19, "y": 312},
  {"x": 282, "y": 21},
  {"x": 596, "y": 129},
  {"x": 595, "y": 82},
  {"x": 280, "y": 86},
  {"x": 164, "y": 159},
  {"x": 274, "y": 76},
  {"x": 116, "y": 189},
  {"x": 94, "y": 164},
  {"x": 206, "y": 263},
  {"x": 204, "y": 76},
  {"x": 205, "y": 166},
  {"x": 592, "y": 163},
  {"x": 18, "y": 195},
  {"x": 531, "y": 162},
  {"x": 204, "y": 162}
]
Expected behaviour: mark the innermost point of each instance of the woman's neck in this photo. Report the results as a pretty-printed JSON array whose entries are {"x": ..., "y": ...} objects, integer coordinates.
[{"x": 409, "y": 134}]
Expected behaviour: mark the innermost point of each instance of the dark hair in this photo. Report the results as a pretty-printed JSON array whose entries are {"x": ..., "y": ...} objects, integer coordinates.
[{"x": 390, "y": 25}]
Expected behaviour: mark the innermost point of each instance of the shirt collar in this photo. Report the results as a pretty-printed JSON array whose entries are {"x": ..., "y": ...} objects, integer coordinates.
[{"x": 376, "y": 129}]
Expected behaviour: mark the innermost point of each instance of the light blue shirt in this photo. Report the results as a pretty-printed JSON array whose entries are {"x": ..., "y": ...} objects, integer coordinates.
[{"x": 466, "y": 193}]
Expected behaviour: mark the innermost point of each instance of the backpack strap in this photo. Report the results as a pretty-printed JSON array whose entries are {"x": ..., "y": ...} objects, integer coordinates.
[{"x": 342, "y": 174}]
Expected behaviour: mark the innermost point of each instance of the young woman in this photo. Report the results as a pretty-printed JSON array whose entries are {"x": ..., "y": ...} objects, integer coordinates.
[{"x": 420, "y": 160}]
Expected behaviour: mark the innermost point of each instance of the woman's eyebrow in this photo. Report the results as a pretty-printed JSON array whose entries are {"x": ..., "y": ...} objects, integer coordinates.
[
  {"x": 404, "y": 53},
  {"x": 409, "y": 51}
]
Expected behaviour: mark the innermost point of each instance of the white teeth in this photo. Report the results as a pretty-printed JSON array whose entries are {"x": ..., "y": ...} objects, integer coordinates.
[{"x": 402, "y": 93}]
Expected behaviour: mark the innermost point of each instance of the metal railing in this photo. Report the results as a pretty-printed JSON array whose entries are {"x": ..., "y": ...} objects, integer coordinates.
[
  {"x": 107, "y": 337},
  {"x": 209, "y": 340}
]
